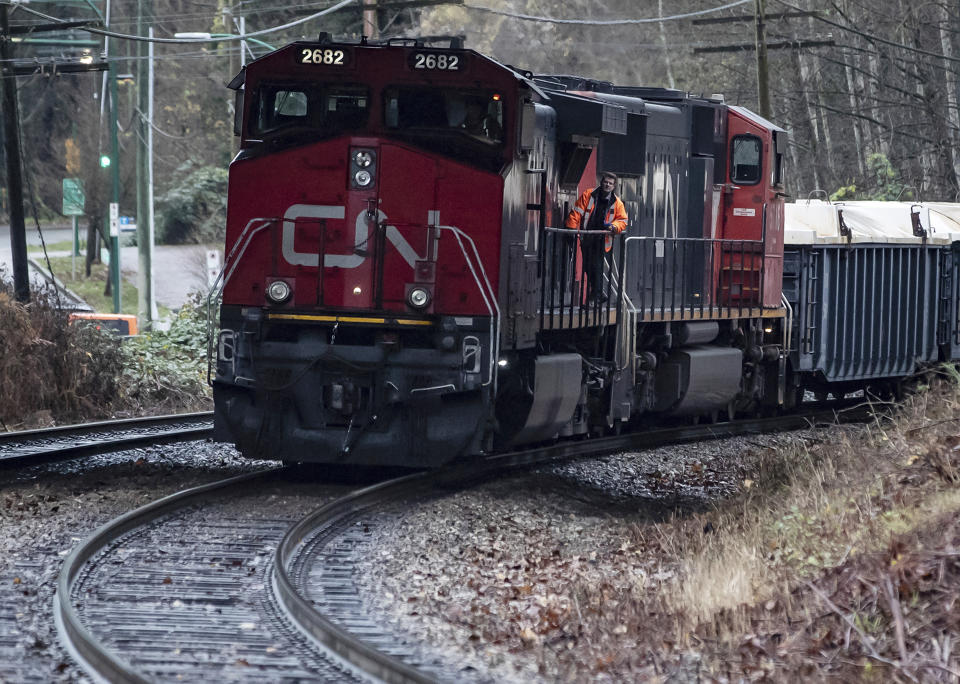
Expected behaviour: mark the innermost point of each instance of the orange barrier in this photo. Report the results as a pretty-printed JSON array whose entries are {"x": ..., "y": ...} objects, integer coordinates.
[{"x": 122, "y": 324}]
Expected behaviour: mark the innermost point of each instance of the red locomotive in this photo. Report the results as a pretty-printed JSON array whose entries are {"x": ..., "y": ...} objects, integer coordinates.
[{"x": 399, "y": 288}]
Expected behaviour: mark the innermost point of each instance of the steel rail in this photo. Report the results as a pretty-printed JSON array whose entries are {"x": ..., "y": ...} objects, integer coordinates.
[
  {"x": 390, "y": 669},
  {"x": 93, "y": 655},
  {"x": 28, "y": 447}
]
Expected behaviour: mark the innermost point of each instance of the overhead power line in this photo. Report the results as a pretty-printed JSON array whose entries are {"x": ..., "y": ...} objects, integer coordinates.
[
  {"x": 603, "y": 22},
  {"x": 246, "y": 36},
  {"x": 873, "y": 37}
]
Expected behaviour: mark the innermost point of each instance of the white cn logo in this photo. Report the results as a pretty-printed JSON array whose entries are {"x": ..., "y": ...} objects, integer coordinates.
[{"x": 361, "y": 237}]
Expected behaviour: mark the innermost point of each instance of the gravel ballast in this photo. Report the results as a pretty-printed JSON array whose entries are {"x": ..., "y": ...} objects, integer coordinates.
[{"x": 532, "y": 578}]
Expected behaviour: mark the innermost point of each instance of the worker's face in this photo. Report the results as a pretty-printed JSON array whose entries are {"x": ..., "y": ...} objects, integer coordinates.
[{"x": 606, "y": 185}]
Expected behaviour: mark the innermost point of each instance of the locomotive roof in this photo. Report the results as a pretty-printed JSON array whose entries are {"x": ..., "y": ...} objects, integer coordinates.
[
  {"x": 525, "y": 77},
  {"x": 756, "y": 118},
  {"x": 581, "y": 84}
]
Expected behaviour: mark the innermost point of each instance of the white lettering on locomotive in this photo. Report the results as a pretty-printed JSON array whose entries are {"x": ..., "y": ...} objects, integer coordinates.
[{"x": 361, "y": 236}]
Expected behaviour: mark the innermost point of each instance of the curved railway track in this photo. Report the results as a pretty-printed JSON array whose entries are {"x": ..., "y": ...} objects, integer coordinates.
[
  {"x": 175, "y": 589},
  {"x": 312, "y": 588},
  {"x": 29, "y": 447},
  {"x": 314, "y": 565}
]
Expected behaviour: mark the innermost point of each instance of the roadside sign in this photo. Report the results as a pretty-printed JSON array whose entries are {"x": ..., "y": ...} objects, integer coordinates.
[
  {"x": 73, "y": 197},
  {"x": 128, "y": 224},
  {"x": 213, "y": 266},
  {"x": 114, "y": 219}
]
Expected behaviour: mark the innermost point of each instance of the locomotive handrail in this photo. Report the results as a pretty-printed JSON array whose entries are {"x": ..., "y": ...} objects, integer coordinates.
[
  {"x": 689, "y": 239},
  {"x": 577, "y": 231},
  {"x": 221, "y": 282},
  {"x": 491, "y": 302},
  {"x": 714, "y": 282},
  {"x": 788, "y": 329},
  {"x": 585, "y": 315},
  {"x": 489, "y": 296}
]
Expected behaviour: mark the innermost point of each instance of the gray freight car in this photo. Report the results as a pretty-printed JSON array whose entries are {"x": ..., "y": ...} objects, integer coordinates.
[{"x": 873, "y": 291}]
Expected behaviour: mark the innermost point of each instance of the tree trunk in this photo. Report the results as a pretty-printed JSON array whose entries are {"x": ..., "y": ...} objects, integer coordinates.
[
  {"x": 950, "y": 85},
  {"x": 855, "y": 110},
  {"x": 666, "y": 50},
  {"x": 93, "y": 241},
  {"x": 803, "y": 70}
]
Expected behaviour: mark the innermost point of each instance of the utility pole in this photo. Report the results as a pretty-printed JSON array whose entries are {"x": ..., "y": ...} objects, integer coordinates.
[
  {"x": 763, "y": 76},
  {"x": 761, "y": 45},
  {"x": 150, "y": 217},
  {"x": 370, "y": 26},
  {"x": 242, "y": 28},
  {"x": 11, "y": 141},
  {"x": 112, "y": 218},
  {"x": 144, "y": 260}
]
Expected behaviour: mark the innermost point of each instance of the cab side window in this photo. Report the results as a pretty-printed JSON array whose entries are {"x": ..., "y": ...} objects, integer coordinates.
[
  {"x": 280, "y": 107},
  {"x": 746, "y": 166}
]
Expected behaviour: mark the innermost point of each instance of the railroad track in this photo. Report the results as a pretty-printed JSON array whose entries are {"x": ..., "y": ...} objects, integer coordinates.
[
  {"x": 29, "y": 447},
  {"x": 314, "y": 565},
  {"x": 178, "y": 589},
  {"x": 311, "y": 589}
]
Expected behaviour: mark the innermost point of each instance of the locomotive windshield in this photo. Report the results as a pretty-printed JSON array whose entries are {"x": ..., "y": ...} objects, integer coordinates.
[
  {"x": 466, "y": 124},
  {"x": 323, "y": 110},
  {"x": 476, "y": 114}
]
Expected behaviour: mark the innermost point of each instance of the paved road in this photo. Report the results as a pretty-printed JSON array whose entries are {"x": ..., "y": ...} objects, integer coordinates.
[{"x": 179, "y": 270}]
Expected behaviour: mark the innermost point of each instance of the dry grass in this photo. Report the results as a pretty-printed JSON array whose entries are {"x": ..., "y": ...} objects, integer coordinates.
[
  {"x": 53, "y": 372},
  {"x": 50, "y": 370},
  {"x": 813, "y": 514}
]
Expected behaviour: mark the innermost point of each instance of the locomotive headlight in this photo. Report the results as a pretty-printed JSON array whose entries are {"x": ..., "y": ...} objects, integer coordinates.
[
  {"x": 363, "y": 167},
  {"x": 278, "y": 291},
  {"x": 418, "y": 298},
  {"x": 363, "y": 159}
]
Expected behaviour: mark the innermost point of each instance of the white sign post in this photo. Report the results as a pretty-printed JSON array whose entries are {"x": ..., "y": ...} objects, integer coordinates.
[{"x": 213, "y": 266}]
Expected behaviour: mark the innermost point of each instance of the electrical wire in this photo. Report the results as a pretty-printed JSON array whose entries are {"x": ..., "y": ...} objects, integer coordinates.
[
  {"x": 872, "y": 37},
  {"x": 602, "y": 22},
  {"x": 147, "y": 39},
  {"x": 145, "y": 120}
]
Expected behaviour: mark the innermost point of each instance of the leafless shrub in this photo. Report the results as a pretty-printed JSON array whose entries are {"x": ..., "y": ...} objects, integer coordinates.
[{"x": 51, "y": 370}]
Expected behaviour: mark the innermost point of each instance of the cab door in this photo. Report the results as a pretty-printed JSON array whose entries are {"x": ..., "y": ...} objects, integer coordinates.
[{"x": 752, "y": 251}]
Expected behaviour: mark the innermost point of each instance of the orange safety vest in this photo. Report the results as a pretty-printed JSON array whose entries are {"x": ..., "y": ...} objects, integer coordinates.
[{"x": 616, "y": 215}]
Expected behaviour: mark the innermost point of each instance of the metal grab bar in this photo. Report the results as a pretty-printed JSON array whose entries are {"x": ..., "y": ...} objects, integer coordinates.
[
  {"x": 488, "y": 295},
  {"x": 246, "y": 236},
  {"x": 672, "y": 275},
  {"x": 564, "y": 289}
]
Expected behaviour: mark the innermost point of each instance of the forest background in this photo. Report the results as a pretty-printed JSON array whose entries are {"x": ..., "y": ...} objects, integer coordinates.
[{"x": 867, "y": 89}]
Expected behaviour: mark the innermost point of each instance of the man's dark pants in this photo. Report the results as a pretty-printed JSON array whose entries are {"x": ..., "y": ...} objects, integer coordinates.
[{"x": 594, "y": 254}]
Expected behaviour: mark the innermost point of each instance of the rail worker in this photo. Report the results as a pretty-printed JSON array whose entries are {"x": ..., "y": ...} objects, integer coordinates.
[
  {"x": 598, "y": 209},
  {"x": 478, "y": 122}
]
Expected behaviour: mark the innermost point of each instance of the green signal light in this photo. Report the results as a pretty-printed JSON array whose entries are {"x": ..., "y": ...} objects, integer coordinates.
[{"x": 104, "y": 160}]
